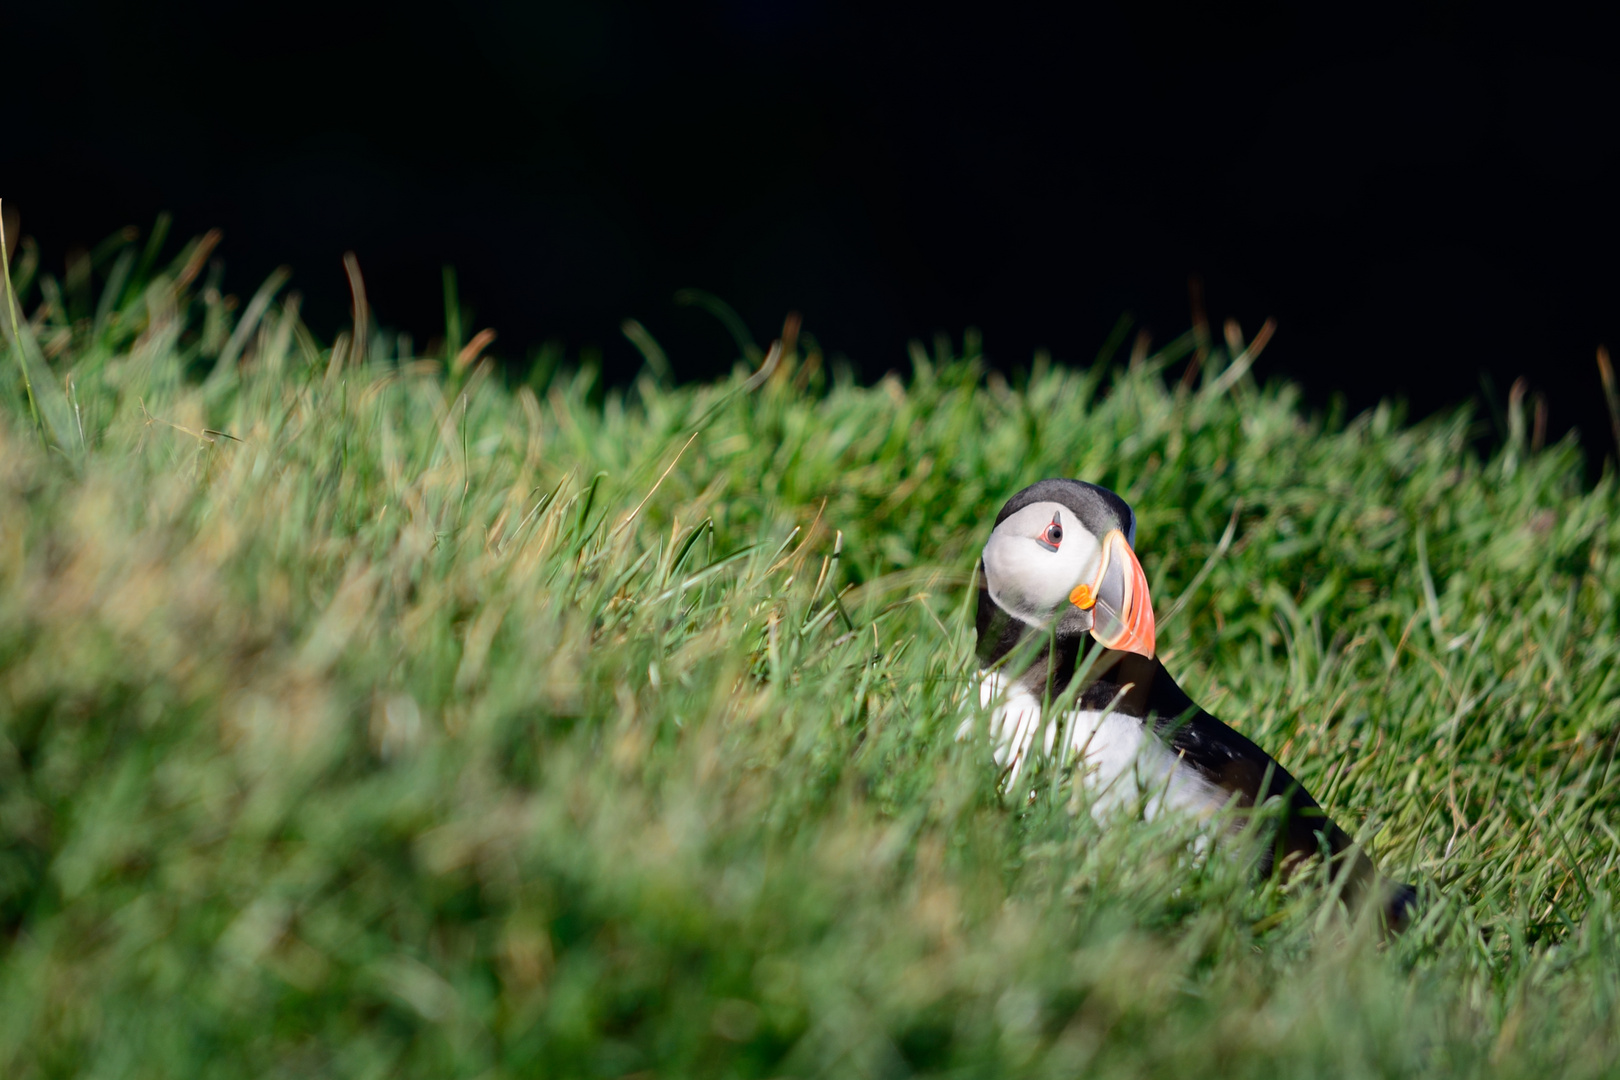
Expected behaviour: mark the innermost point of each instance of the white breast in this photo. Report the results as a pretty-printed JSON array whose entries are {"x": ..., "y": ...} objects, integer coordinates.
[{"x": 1123, "y": 764}]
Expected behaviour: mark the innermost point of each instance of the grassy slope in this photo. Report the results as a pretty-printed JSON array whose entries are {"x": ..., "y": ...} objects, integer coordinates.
[{"x": 383, "y": 740}]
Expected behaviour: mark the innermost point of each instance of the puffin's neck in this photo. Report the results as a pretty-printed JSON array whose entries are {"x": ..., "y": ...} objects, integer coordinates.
[{"x": 1134, "y": 683}]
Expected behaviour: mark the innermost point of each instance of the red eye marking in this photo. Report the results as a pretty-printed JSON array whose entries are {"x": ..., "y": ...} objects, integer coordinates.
[{"x": 1053, "y": 536}]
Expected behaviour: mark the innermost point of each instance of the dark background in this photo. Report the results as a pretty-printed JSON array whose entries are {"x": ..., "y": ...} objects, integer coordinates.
[{"x": 1422, "y": 195}]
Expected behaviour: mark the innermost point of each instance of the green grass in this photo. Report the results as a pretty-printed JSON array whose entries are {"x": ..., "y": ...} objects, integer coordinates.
[{"x": 354, "y": 722}]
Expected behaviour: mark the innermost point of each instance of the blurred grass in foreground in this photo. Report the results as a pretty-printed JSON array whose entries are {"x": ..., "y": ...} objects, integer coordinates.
[{"x": 353, "y": 721}]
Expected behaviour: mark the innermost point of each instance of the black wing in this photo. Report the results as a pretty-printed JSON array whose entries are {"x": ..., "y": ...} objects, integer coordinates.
[{"x": 1234, "y": 763}]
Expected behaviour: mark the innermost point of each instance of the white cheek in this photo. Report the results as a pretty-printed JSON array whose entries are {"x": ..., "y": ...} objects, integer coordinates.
[{"x": 1029, "y": 581}]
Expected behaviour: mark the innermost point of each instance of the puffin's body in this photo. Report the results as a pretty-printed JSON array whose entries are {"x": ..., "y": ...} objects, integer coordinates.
[{"x": 1058, "y": 574}]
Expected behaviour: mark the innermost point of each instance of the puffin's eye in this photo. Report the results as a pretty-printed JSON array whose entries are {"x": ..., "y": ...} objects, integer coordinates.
[{"x": 1053, "y": 536}]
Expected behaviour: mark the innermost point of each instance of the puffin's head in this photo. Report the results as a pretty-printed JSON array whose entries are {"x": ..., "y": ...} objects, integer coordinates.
[{"x": 1061, "y": 550}]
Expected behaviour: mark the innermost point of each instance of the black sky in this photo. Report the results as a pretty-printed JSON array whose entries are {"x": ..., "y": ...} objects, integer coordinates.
[{"x": 1419, "y": 193}]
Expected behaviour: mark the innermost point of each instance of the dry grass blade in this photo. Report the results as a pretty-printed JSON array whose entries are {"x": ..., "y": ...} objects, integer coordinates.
[
  {"x": 360, "y": 311},
  {"x": 469, "y": 352},
  {"x": 630, "y": 517},
  {"x": 1611, "y": 395},
  {"x": 1243, "y": 361}
]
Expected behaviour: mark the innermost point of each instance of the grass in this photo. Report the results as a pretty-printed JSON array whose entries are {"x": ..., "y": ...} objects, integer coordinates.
[{"x": 364, "y": 715}]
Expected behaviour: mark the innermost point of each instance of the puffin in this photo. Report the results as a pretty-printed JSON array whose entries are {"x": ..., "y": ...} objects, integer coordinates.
[{"x": 1065, "y": 625}]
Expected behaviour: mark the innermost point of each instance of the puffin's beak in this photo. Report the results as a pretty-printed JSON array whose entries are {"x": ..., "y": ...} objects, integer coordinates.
[{"x": 1121, "y": 610}]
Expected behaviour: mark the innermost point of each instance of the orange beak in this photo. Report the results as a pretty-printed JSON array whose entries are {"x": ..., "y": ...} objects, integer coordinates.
[{"x": 1121, "y": 610}]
